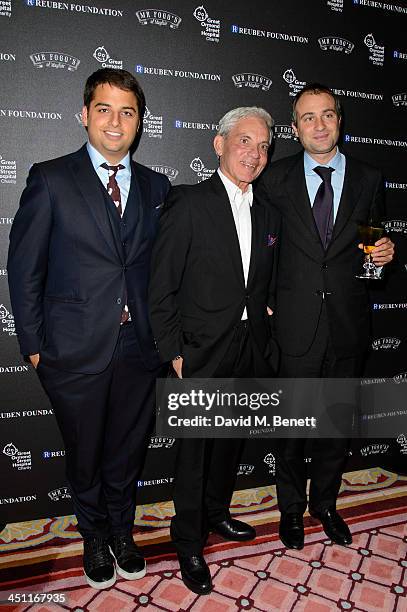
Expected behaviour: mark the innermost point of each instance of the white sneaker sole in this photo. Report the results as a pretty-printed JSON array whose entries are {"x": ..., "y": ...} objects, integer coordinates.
[
  {"x": 101, "y": 585},
  {"x": 128, "y": 575}
]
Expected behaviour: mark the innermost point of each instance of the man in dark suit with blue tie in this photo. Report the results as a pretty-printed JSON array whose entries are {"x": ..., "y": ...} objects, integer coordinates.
[{"x": 78, "y": 270}]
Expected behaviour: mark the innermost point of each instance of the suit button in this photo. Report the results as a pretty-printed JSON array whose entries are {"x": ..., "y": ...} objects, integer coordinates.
[
  {"x": 119, "y": 301},
  {"x": 324, "y": 266},
  {"x": 124, "y": 268}
]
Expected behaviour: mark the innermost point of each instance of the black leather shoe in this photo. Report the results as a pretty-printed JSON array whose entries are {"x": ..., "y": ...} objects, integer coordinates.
[
  {"x": 129, "y": 560},
  {"x": 195, "y": 574},
  {"x": 291, "y": 530},
  {"x": 98, "y": 563},
  {"x": 334, "y": 526},
  {"x": 237, "y": 531}
]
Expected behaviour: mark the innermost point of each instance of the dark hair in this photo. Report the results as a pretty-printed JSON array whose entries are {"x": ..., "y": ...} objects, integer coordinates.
[
  {"x": 315, "y": 88},
  {"x": 118, "y": 78}
]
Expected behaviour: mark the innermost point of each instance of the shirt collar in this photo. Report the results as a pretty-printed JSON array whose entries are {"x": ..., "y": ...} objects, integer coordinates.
[
  {"x": 233, "y": 190},
  {"x": 336, "y": 163},
  {"x": 97, "y": 158}
]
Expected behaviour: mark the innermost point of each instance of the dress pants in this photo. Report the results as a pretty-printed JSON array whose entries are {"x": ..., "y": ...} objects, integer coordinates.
[
  {"x": 328, "y": 456},
  {"x": 205, "y": 472},
  {"x": 106, "y": 421}
]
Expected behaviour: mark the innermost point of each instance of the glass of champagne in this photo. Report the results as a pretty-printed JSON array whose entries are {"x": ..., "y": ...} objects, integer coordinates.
[{"x": 369, "y": 234}]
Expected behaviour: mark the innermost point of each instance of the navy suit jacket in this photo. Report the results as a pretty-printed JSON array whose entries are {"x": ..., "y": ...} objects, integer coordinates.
[{"x": 66, "y": 271}]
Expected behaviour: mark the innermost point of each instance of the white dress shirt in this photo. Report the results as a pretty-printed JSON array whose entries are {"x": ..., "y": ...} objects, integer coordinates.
[{"x": 241, "y": 203}]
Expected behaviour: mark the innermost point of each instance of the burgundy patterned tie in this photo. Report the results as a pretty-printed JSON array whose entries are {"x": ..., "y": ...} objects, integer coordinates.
[
  {"x": 113, "y": 188},
  {"x": 323, "y": 208}
]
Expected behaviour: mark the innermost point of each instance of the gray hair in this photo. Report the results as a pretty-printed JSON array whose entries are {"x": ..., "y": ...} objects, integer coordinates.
[{"x": 229, "y": 120}]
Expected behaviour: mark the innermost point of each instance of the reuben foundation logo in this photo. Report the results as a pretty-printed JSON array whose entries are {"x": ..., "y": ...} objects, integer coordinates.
[
  {"x": 200, "y": 170},
  {"x": 390, "y": 306},
  {"x": 210, "y": 28},
  {"x": 399, "y": 99},
  {"x": 170, "y": 172},
  {"x": 176, "y": 73},
  {"x": 386, "y": 343},
  {"x": 335, "y": 5},
  {"x": 334, "y": 43},
  {"x": 195, "y": 125},
  {"x": 8, "y": 171},
  {"x": 397, "y": 226},
  {"x": 7, "y": 321},
  {"x": 20, "y": 460},
  {"x": 57, "y": 494},
  {"x": 399, "y": 55},
  {"x": 152, "y": 124},
  {"x": 284, "y": 132},
  {"x": 249, "y": 79},
  {"x": 383, "y": 142},
  {"x": 393, "y": 185},
  {"x": 402, "y": 440},
  {"x": 376, "y": 51},
  {"x": 54, "y": 59},
  {"x": 17, "y": 113},
  {"x": 385, "y": 6},
  {"x": 270, "y": 461},
  {"x": 295, "y": 38},
  {"x": 156, "y": 442},
  {"x": 244, "y": 469},
  {"x": 53, "y": 454},
  {"x": 102, "y": 56},
  {"x": 365, "y": 95},
  {"x": 74, "y": 8},
  {"x": 293, "y": 83},
  {"x": 158, "y": 17},
  {"x": 5, "y": 8},
  {"x": 7, "y": 57}
]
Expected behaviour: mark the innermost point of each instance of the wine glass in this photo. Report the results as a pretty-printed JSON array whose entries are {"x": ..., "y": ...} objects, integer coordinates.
[{"x": 369, "y": 234}]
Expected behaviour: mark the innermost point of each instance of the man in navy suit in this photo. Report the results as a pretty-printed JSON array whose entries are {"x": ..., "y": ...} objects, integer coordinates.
[{"x": 79, "y": 257}]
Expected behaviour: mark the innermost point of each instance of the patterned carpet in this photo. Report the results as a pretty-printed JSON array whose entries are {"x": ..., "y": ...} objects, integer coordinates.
[{"x": 44, "y": 557}]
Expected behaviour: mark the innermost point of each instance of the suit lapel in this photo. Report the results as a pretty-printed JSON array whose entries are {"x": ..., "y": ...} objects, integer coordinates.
[
  {"x": 350, "y": 193},
  {"x": 141, "y": 197},
  {"x": 220, "y": 210},
  {"x": 90, "y": 187}
]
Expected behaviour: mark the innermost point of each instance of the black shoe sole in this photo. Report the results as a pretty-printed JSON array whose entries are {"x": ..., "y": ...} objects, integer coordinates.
[{"x": 291, "y": 546}]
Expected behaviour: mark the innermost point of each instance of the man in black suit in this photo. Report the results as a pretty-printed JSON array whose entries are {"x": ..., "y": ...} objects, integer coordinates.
[
  {"x": 211, "y": 285},
  {"x": 322, "y": 311},
  {"x": 78, "y": 268}
]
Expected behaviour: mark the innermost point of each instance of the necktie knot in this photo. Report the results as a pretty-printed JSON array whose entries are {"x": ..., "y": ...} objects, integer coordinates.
[
  {"x": 113, "y": 170},
  {"x": 324, "y": 173}
]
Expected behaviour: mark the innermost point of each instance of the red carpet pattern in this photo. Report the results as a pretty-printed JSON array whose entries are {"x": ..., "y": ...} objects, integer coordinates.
[{"x": 370, "y": 575}]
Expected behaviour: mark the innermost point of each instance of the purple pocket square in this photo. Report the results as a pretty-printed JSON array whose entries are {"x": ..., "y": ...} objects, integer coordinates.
[{"x": 271, "y": 240}]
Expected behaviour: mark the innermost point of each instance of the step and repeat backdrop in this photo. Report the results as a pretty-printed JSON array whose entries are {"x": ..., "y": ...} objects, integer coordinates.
[{"x": 195, "y": 62}]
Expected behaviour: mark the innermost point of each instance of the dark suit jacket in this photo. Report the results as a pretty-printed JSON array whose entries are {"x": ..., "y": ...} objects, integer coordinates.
[
  {"x": 197, "y": 289},
  {"x": 66, "y": 271},
  {"x": 306, "y": 270}
]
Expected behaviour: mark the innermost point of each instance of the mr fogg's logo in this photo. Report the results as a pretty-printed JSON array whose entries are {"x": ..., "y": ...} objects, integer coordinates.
[
  {"x": 386, "y": 343},
  {"x": 210, "y": 28},
  {"x": 400, "y": 99},
  {"x": 55, "y": 59},
  {"x": 249, "y": 79},
  {"x": 396, "y": 226},
  {"x": 156, "y": 442},
  {"x": 284, "y": 132},
  {"x": 170, "y": 172},
  {"x": 376, "y": 51},
  {"x": 158, "y": 17},
  {"x": 58, "y": 494},
  {"x": 245, "y": 469},
  {"x": 293, "y": 83},
  {"x": 335, "y": 43}
]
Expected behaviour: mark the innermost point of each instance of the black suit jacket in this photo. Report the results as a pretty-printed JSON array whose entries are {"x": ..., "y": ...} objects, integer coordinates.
[
  {"x": 197, "y": 289},
  {"x": 66, "y": 271},
  {"x": 306, "y": 270}
]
